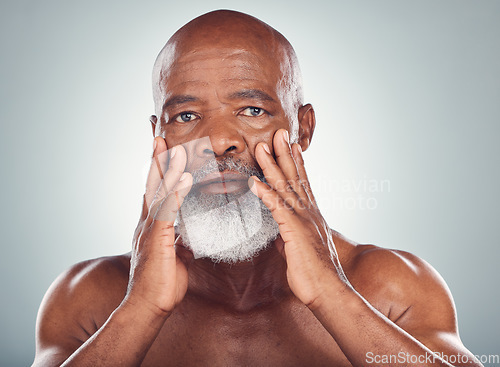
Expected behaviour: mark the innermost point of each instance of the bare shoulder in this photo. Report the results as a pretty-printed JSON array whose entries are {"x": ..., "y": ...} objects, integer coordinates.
[
  {"x": 407, "y": 290},
  {"x": 404, "y": 287},
  {"x": 394, "y": 269},
  {"x": 78, "y": 302},
  {"x": 81, "y": 282}
]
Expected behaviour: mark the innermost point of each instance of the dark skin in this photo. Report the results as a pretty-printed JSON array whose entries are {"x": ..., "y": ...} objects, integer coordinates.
[{"x": 312, "y": 298}]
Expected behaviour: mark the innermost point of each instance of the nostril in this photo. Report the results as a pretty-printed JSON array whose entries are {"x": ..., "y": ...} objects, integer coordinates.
[{"x": 210, "y": 151}]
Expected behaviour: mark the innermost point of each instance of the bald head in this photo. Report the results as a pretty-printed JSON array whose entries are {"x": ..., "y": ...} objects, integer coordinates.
[{"x": 225, "y": 29}]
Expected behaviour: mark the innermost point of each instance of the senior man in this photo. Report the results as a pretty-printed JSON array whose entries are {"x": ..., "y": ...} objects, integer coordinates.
[{"x": 233, "y": 264}]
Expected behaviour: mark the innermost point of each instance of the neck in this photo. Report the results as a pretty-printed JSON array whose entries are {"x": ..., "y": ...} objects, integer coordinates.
[{"x": 243, "y": 286}]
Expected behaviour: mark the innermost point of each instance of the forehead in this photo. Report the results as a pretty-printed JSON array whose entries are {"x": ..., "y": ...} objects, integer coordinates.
[{"x": 222, "y": 67}]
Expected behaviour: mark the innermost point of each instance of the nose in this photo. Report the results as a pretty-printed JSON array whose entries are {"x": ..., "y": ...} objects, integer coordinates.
[{"x": 223, "y": 138}]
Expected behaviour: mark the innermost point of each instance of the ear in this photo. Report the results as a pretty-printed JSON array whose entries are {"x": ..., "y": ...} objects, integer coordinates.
[
  {"x": 153, "y": 121},
  {"x": 307, "y": 123}
]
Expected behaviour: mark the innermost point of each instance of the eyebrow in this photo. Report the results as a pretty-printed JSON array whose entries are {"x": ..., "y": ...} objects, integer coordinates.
[
  {"x": 252, "y": 94},
  {"x": 255, "y": 94},
  {"x": 179, "y": 99}
]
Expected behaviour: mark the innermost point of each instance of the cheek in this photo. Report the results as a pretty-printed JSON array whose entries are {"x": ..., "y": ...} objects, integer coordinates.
[
  {"x": 263, "y": 136},
  {"x": 189, "y": 145},
  {"x": 186, "y": 136},
  {"x": 251, "y": 136}
]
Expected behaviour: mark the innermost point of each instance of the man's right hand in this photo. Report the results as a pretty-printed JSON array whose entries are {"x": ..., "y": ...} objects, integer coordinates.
[{"x": 158, "y": 273}]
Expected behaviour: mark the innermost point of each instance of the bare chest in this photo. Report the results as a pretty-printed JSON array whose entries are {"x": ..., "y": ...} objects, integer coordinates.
[{"x": 288, "y": 335}]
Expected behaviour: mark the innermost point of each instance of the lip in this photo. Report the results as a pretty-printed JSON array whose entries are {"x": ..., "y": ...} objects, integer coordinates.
[{"x": 223, "y": 183}]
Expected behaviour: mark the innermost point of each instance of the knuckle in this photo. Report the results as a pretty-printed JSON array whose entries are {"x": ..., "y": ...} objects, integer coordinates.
[
  {"x": 166, "y": 227},
  {"x": 289, "y": 203},
  {"x": 301, "y": 204},
  {"x": 289, "y": 186}
]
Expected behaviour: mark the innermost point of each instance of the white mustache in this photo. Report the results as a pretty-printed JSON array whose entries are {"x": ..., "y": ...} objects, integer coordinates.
[{"x": 226, "y": 164}]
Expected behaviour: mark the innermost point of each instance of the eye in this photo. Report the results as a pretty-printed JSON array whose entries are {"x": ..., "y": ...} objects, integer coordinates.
[
  {"x": 253, "y": 112},
  {"x": 185, "y": 117}
]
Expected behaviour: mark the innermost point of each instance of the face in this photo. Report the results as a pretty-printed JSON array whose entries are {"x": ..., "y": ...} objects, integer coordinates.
[
  {"x": 228, "y": 95},
  {"x": 220, "y": 103}
]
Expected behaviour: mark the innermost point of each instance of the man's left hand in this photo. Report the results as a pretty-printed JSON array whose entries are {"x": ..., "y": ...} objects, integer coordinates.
[{"x": 313, "y": 268}]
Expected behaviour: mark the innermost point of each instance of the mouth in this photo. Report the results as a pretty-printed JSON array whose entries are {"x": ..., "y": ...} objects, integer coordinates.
[{"x": 226, "y": 182}]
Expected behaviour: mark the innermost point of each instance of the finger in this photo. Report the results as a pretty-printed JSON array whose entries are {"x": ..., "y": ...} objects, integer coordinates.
[
  {"x": 304, "y": 180},
  {"x": 142, "y": 220},
  {"x": 176, "y": 166},
  {"x": 276, "y": 178},
  {"x": 169, "y": 178},
  {"x": 281, "y": 212},
  {"x": 152, "y": 183},
  {"x": 285, "y": 160},
  {"x": 280, "y": 246},
  {"x": 168, "y": 207},
  {"x": 183, "y": 253},
  {"x": 160, "y": 221},
  {"x": 157, "y": 168},
  {"x": 161, "y": 238}
]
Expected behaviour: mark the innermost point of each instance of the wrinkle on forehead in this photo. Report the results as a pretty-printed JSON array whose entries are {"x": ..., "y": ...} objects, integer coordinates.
[{"x": 229, "y": 57}]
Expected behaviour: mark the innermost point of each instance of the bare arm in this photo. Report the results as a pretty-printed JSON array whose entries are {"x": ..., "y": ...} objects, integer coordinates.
[
  {"x": 424, "y": 323},
  {"x": 66, "y": 325}
]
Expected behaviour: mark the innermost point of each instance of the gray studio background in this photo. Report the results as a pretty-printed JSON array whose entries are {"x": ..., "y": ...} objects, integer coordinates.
[{"x": 405, "y": 153}]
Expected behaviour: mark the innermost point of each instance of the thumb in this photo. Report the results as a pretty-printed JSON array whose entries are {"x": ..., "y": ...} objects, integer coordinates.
[
  {"x": 280, "y": 246},
  {"x": 183, "y": 253}
]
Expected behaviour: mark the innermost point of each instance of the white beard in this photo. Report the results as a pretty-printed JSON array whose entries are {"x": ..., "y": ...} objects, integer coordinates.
[{"x": 226, "y": 227}]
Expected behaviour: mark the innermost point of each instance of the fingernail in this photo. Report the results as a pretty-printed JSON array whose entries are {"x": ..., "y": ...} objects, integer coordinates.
[
  {"x": 286, "y": 138},
  {"x": 172, "y": 152},
  {"x": 299, "y": 148},
  {"x": 183, "y": 177},
  {"x": 251, "y": 183},
  {"x": 154, "y": 144},
  {"x": 266, "y": 148}
]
